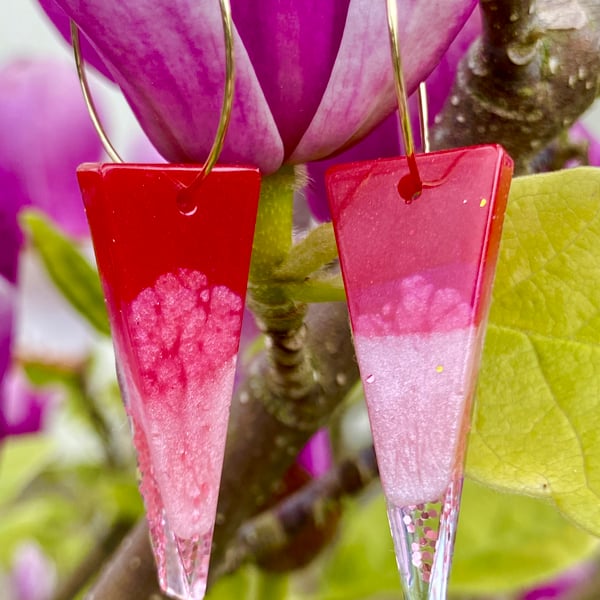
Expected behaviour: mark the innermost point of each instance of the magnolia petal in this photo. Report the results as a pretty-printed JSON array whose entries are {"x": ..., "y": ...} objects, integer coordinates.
[
  {"x": 22, "y": 407},
  {"x": 46, "y": 133},
  {"x": 33, "y": 575},
  {"x": 441, "y": 80},
  {"x": 7, "y": 314},
  {"x": 293, "y": 46},
  {"x": 169, "y": 59},
  {"x": 353, "y": 104},
  {"x": 62, "y": 22},
  {"x": 316, "y": 458},
  {"x": 580, "y": 133}
]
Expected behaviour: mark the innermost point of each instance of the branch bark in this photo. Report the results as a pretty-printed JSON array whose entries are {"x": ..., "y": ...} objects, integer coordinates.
[
  {"x": 264, "y": 438},
  {"x": 531, "y": 74},
  {"x": 277, "y": 528}
]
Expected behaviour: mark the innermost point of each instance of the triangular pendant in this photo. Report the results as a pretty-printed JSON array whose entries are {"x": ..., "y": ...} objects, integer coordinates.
[
  {"x": 418, "y": 274},
  {"x": 174, "y": 269}
]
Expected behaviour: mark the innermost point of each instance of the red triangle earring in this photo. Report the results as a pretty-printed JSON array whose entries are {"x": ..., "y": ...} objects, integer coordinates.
[
  {"x": 418, "y": 239},
  {"x": 174, "y": 268}
]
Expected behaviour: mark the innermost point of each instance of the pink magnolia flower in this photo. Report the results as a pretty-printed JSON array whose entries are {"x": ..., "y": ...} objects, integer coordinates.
[
  {"x": 313, "y": 76},
  {"x": 46, "y": 133},
  {"x": 33, "y": 576}
]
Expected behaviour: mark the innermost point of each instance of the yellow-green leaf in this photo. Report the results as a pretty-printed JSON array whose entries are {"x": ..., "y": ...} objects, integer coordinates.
[
  {"x": 506, "y": 542},
  {"x": 69, "y": 270},
  {"x": 536, "y": 429}
]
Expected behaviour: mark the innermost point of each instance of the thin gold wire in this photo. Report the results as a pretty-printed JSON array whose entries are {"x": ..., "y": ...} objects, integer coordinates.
[
  {"x": 226, "y": 106},
  {"x": 87, "y": 96},
  {"x": 424, "y": 117},
  {"x": 401, "y": 95}
]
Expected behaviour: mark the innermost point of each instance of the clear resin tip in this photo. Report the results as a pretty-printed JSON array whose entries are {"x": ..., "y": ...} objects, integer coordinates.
[
  {"x": 424, "y": 539},
  {"x": 184, "y": 569}
]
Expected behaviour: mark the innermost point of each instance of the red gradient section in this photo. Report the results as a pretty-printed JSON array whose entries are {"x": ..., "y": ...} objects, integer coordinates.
[
  {"x": 139, "y": 234},
  {"x": 448, "y": 237}
]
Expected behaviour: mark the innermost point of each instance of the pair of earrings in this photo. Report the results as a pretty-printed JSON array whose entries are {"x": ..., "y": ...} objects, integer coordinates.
[{"x": 418, "y": 240}]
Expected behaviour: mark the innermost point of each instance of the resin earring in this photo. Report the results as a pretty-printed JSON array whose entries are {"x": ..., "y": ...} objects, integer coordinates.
[
  {"x": 418, "y": 240},
  {"x": 173, "y": 245}
]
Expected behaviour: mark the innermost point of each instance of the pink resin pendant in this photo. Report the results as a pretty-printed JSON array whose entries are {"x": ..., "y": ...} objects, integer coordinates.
[
  {"x": 418, "y": 274},
  {"x": 174, "y": 268}
]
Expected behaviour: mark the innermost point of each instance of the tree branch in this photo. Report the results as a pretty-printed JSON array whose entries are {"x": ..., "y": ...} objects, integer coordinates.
[
  {"x": 131, "y": 571},
  {"x": 529, "y": 76},
  {"x": 277, "y": 528},
  {"x": 269, "y": 425}
]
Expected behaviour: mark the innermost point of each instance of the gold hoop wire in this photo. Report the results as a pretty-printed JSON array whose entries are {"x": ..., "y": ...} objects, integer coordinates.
[
  {"x": 424, "y": 117},
  {"x": 226, "y": 106},
  {"x": 402, "y": 98}
]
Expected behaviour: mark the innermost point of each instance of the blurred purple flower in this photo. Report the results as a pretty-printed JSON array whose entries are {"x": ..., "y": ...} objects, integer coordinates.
[
  {"x": 22, "y": 408},
  {"x": 46, "y": 133},
  {"x": 580, "y": 133},
  {"x": 33, "y": 576},
  {"x": 316, "y": 458},
  {"x": 313, "y": 76},
  {"x": 562, "y": 585}
]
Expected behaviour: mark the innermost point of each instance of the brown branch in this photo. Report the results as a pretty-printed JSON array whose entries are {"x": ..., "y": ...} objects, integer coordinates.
[
  {"x": 275, "y": 529},
  {"x": 131, "y": 572},
  {"x": 528, "y": 77},
  {"x": 263, "y": 441},
  {"x": 90, "y": 565}
]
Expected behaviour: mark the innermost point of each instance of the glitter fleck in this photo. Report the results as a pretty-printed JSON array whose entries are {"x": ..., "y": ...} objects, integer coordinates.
[
  {"x": 439, "y": 369},
  {"x": 483, "y": 202}
]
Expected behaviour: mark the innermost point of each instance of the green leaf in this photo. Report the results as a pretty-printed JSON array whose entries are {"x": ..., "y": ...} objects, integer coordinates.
[
  {"x": 505, "y": 542},
  {"x": 22, "y": 459},
  {"x": 536, "y": 429},
  {"x": 250, "y": 583},
  {"x": 55, "y": 523},
  {"x": 69, "y": 270},
  {"x": 363, "y": 562}
]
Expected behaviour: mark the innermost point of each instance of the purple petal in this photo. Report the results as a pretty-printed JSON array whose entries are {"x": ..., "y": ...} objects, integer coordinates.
[
  {"x": 169, "y": 59},
  {"x": 580, "y": 133},
  {"x": 11, "y": 199},
  {"x": 46, "y": 133},
  {"x": 22, "y": 408},
  {"x": 320, "y": 66},
  {"x": 360, "y": 92},
  {"x": 293, "y": 46},
  {"x": 62, "y": 22},
  {"x": 7, "y": 313},
  {"x": 563, "y": 584},
  {"x": 316, "y": 456},
  {"x": 383, "y": 141},
  {"x": 33, "y": 575},
  {"x": 441, "y": 80}
]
